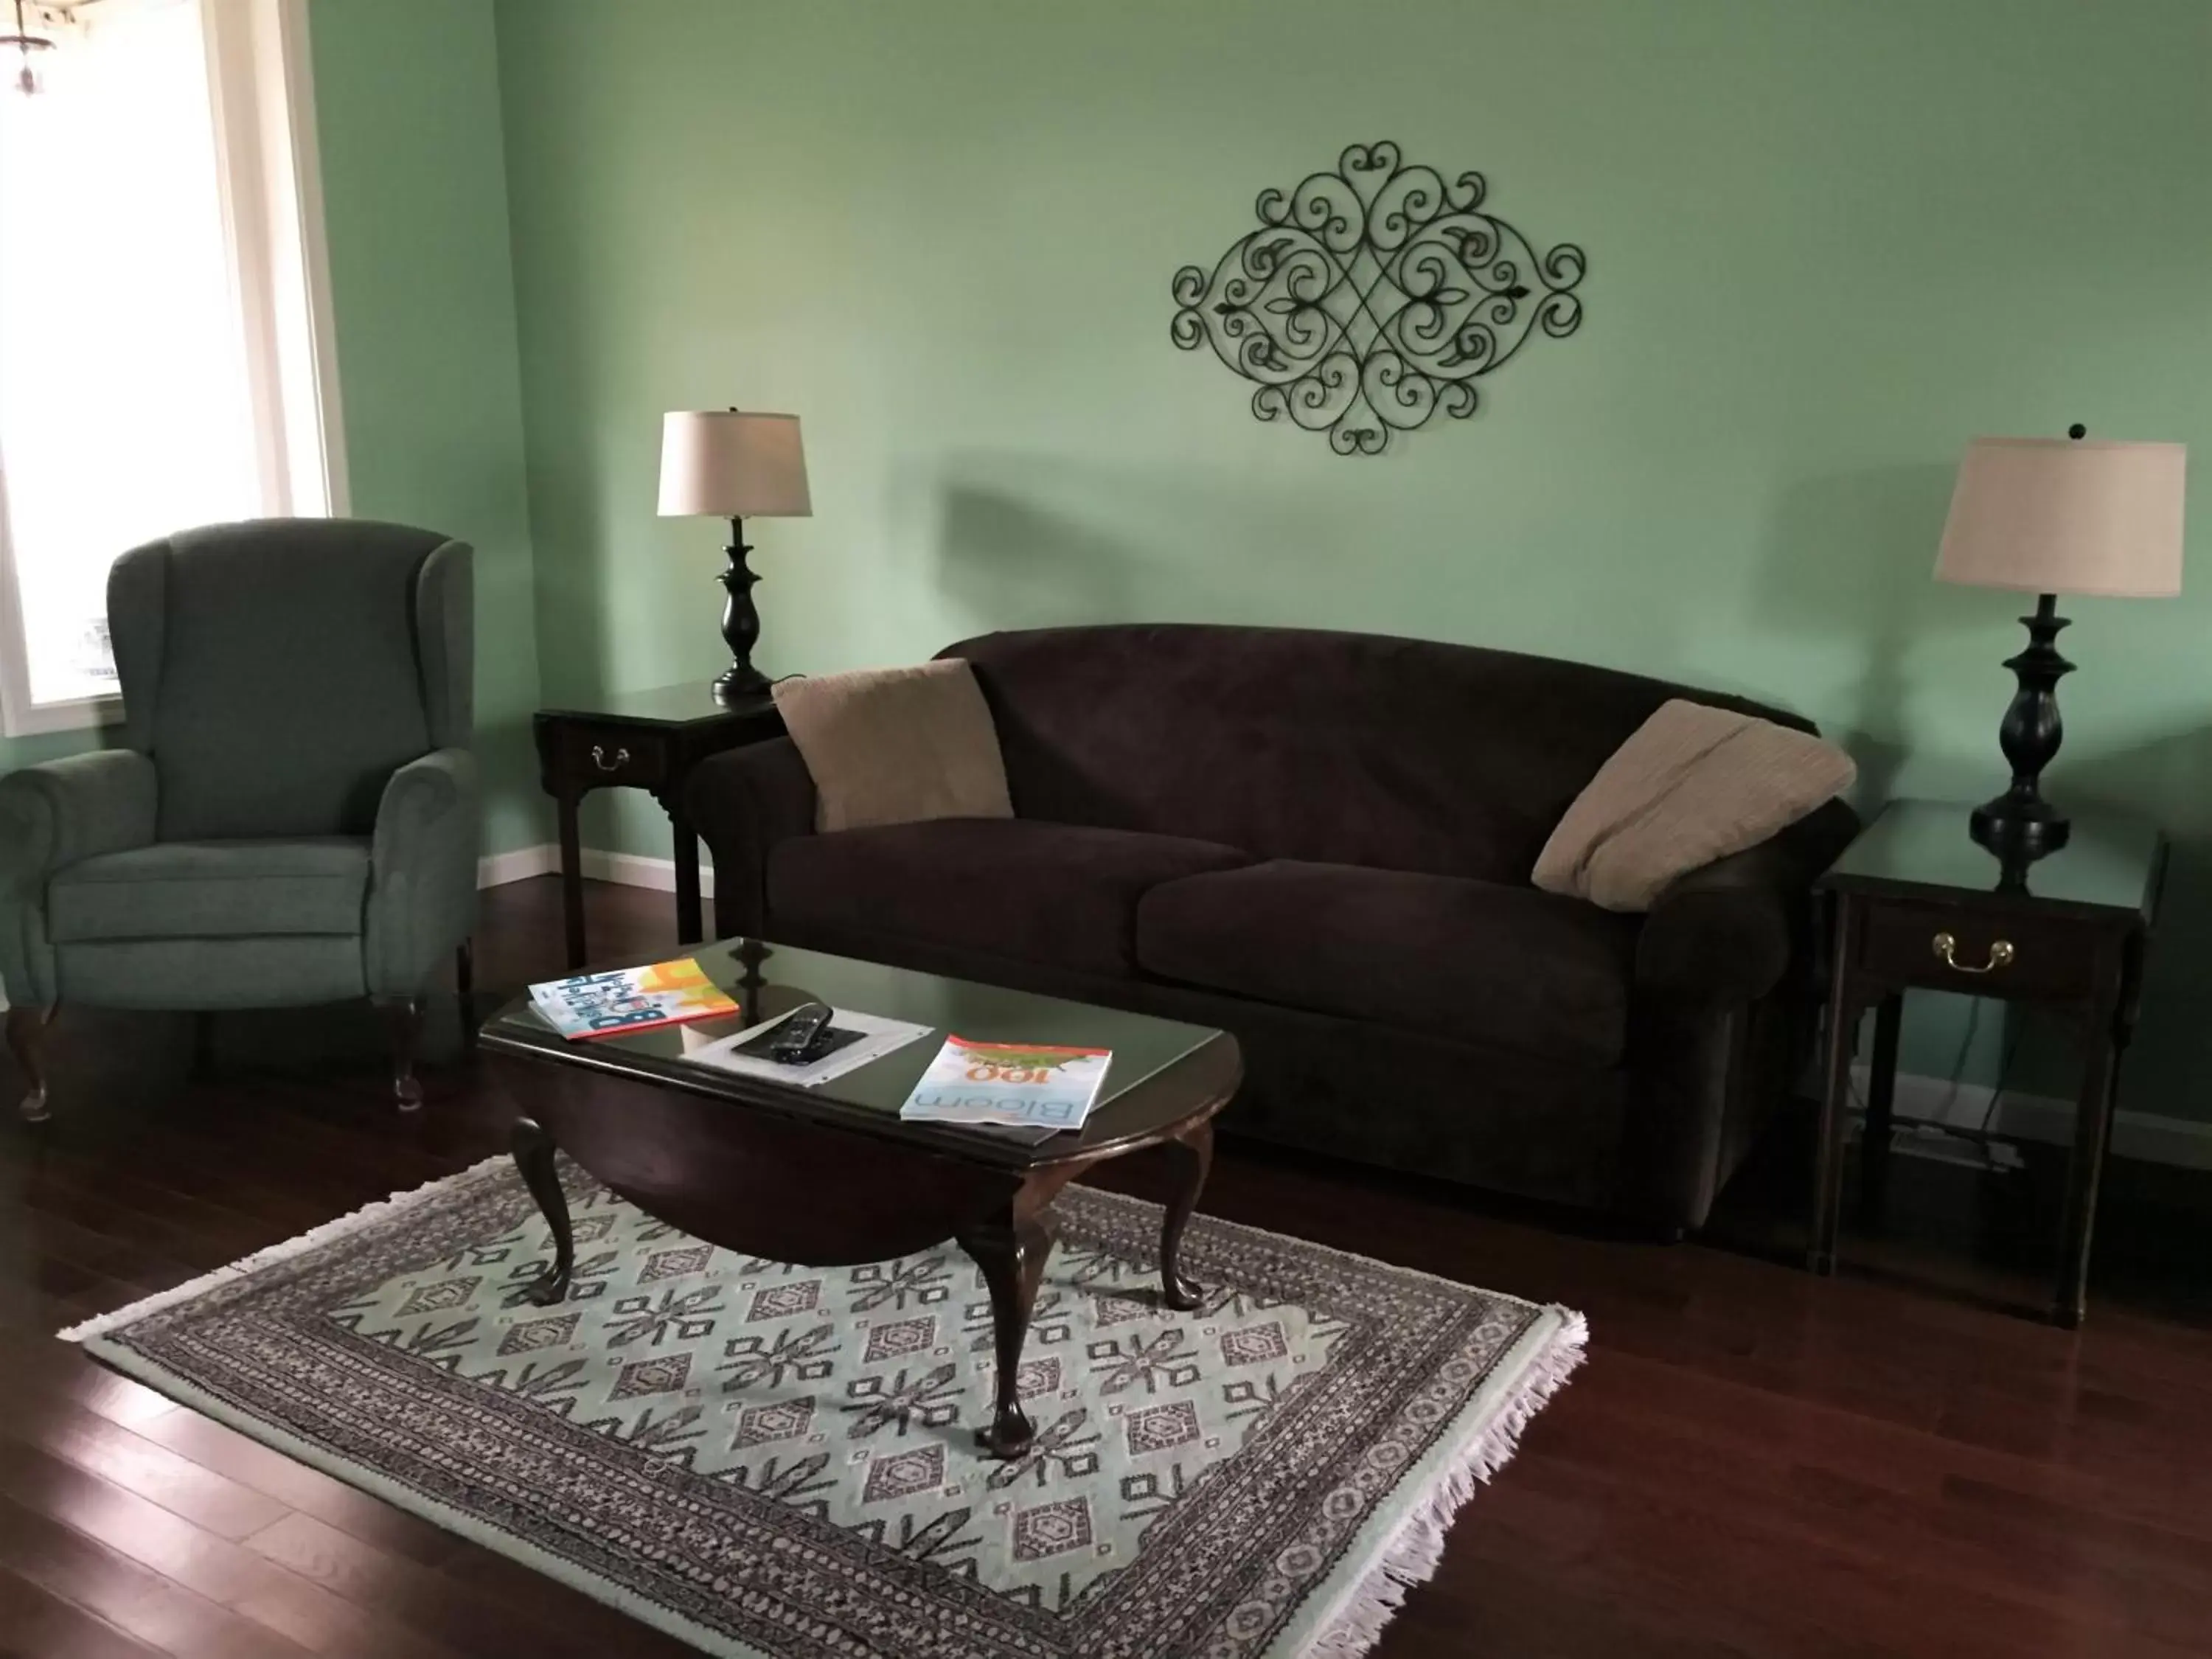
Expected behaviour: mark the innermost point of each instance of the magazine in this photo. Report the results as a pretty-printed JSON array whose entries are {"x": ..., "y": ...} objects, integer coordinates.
[
  {"x": 871, "y": 1036},
  {"x": 1014, "y": 1085},
  {"x": 631, "y": 999}
]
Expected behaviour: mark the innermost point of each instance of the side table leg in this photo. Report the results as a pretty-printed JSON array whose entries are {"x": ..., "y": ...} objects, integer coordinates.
[
  {"x": 571, "y": 874},
  {"x": 533, "y": 1157},
  {"x": 1881, "y": 1099},
  {"x": 464, "y": 990},
  {"x": 1011, "y": 1249},
  {"x": 2093, "y": 1133},
  {"x": 690, "y": 926},
  {"x": 1189, "y": 1158},
  {"x": 1844, "y": 1011}
]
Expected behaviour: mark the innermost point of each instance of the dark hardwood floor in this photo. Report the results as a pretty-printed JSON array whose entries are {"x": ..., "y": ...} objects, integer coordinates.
[{"x": 1753, "y": 1463}]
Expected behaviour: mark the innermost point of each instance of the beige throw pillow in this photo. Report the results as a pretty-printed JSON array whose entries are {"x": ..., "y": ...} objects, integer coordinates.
[
  {"x": 896, "y": 745},
  {"x": 1692, "y": 784}
]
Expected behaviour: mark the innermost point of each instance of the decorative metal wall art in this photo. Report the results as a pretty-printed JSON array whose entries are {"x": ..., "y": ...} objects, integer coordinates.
[{"x": 1373, "y": 296}]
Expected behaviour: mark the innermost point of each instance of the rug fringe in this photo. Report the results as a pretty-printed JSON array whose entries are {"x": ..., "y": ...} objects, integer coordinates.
[
  {"x": 1414, "y": 1550},
  {"x": 367, "y": 1216}
]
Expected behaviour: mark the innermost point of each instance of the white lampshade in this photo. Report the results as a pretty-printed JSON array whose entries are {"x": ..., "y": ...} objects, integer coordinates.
[
  {"x": 2063, "y": 515},
  {"x": 722, "y": 464}
]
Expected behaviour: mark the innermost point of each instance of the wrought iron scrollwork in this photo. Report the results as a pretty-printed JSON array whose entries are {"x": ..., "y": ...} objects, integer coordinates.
[{"x": 1371, "y": 297}]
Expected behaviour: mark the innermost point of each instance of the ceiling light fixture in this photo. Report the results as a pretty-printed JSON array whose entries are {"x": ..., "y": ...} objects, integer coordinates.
[{"x": 25, "y": 42}]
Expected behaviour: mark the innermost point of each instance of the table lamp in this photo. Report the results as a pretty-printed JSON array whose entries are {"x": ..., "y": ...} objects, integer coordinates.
[
  {"x": 2050, "y": 516},
  {"x": 723, "y": 463}
]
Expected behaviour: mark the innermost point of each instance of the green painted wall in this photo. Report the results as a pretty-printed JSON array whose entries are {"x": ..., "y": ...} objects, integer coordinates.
[
  {"x": 45, "y": 746},
  {"x": 1829, "y": 243},
  {"x": 423, "y": 292}
]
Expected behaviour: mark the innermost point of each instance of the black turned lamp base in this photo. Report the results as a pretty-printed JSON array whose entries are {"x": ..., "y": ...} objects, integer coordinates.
[
  {"x": 2020, "y": 823},
  {"x": 2015, "y": 828},
  {"x": 741, "y": 682}
]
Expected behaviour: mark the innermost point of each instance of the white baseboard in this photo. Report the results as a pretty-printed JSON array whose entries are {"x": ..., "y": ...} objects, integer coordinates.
[
  {"x": 630, "y": 870},
  {"x": 497, "y": 869},
  {"x": 2145, "y": 1135},
  {"x": 625, "y": 869}
]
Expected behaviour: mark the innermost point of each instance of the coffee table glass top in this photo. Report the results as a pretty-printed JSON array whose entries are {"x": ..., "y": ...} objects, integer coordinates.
[{"x": 768, "y": 980}]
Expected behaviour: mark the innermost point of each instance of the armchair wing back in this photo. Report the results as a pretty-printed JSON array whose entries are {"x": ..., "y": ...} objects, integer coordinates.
[{"x": 277, "y": 673}]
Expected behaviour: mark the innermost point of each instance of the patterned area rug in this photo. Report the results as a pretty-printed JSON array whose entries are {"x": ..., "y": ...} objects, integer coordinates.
[{"x": 777, "y": 1461}]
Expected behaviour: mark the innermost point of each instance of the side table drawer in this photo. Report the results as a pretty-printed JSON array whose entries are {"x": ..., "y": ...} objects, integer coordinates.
[
  {"x": 2042, "y": 958},
  {"x": 600, "y": 756}
]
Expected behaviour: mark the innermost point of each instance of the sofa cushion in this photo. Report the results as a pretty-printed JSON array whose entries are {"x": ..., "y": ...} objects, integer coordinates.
[
  {"x": 1052, "y": 893},
  {"x": 213, "y": 889},
  {"x": 1476, "y": 960},
  {"x": 1692, "y": 785},
  {"x": 896, "y": 745}
]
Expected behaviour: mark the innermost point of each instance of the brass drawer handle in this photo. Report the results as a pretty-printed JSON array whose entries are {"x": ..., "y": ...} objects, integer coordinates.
[
  {"x": 621, "y": 759},
  {"x": 2001, "y": 953}
]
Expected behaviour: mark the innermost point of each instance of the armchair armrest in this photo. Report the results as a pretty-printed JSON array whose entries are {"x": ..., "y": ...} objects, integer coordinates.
[
  {"x": 746, "y": 802},
  {"x": 52, "y": 816},
  {"x": 1726, "y": 932},
  {"x": 423, "y": 871},
  {"x": 55, "y": 814}
]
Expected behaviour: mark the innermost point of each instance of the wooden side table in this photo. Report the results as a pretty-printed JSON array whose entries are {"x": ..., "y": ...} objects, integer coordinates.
[
  {"x": 647, "y": 740},
  {"x": 1919, "y": 904}
]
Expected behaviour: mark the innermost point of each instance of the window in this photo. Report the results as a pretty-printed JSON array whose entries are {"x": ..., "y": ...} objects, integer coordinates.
[{"x": 164, "y": 350}]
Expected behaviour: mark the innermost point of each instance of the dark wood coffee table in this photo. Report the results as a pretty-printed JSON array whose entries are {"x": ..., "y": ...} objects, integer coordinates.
[{"x": 832, "y": 1177}]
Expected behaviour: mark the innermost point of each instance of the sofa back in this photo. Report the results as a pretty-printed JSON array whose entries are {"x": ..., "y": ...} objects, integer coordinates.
[{"x": 1298, "y": 743}]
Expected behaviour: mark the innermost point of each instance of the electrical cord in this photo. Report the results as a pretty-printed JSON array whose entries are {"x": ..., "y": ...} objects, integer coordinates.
[
  {"x": 2004, "y": 1077},
  {"x": 1980, "y": 1136}
]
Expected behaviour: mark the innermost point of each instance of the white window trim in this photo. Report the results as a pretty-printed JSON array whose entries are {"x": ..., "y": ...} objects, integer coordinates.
[{"x": 261, "y": 75}]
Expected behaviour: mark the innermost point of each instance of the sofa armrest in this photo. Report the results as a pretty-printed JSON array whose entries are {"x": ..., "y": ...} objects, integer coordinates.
[
  {"x": 52, "y": 816},
  {"x": 744, "y": 803},
  {"x": 423, "y": 871},
  {"x": 1725, "y": 934}
]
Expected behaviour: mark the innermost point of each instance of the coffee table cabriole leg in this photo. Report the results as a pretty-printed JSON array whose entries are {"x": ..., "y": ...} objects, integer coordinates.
[
  {"x": 1011, "y": 1250},
  {"x": 1190, "y": 1156},
  {"x": 533, "y": 1158}
]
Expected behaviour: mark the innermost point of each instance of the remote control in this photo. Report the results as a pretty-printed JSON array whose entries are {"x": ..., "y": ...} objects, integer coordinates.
[{"x": 798, "y": 1039}]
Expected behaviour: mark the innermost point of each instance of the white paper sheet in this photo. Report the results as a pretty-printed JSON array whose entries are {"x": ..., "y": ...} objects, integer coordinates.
[{"x": 879, "y": 1036}]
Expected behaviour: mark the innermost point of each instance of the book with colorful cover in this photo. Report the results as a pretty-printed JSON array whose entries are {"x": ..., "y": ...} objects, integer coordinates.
[
  {"x": 1016, "y": 1085},
  {"x": 631, "y": 999}
]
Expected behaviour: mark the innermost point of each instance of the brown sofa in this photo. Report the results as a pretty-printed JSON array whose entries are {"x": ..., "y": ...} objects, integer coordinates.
[{"x": 1321, "y": 843}]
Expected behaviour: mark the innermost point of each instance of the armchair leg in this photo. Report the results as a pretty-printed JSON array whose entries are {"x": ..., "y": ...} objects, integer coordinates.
[
  {"x": 26, "y": 1041},
  {"x": 403, "y": 1022}
]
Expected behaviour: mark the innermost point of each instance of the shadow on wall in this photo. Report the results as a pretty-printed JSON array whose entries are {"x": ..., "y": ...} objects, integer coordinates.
[
  {"x": 2168, "y": 780},
  {"x": 1015, "y": 564},
  {"x": 515, "y": 811},
  {"x": 579, "y": 569},
  {"x": 1029, "y": 542},
  {"x": 1851, "y": 555}
]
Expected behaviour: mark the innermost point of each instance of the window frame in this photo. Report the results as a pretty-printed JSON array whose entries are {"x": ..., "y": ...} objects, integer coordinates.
[{"x": 269, "y": 166}]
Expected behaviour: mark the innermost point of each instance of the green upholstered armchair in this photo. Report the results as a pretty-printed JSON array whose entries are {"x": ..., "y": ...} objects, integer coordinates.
[{"x": 294, "y": 816}]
